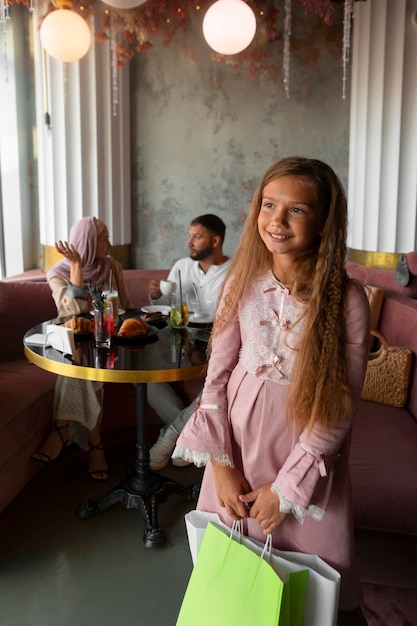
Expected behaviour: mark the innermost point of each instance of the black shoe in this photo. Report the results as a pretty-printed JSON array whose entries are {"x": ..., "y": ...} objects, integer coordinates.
[{"x": 99, "y": 474}]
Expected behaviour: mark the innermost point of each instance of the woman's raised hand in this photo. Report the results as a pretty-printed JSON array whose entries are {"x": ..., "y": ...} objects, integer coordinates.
[{"x": 68, "y": 251}]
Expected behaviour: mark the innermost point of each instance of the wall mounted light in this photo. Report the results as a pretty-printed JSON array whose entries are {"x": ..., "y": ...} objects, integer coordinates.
[
  {"x": 124, "y": 4},
  {"x": 229, "y": 26},
  {"x": 64, "y": 34}
]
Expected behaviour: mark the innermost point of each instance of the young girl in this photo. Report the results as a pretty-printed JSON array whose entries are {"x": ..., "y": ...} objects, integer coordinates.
[{"x": 288, "y": 356}]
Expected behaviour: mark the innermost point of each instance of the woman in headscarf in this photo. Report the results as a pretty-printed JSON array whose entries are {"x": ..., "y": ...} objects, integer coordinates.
[{"x": 78, "y": 403}]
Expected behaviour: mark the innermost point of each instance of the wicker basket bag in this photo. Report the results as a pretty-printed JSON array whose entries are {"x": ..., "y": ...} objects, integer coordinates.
[{"x": 387, "y": 375}]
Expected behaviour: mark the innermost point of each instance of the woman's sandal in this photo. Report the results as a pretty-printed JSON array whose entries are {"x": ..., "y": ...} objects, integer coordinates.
[
  {"x": 101, "y": 474},
  {"x": 42, "y": 457}
]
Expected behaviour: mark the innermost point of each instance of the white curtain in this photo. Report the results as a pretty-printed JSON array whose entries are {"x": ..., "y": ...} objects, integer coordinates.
[
  {"x": 84, "y": 152},
  {"x": 383, "y": 128}
]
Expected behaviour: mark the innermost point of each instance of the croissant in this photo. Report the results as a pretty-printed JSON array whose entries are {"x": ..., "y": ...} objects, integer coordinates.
[
  {"x": 80, "y": 325},
  {"x": 133, "y": 327}
]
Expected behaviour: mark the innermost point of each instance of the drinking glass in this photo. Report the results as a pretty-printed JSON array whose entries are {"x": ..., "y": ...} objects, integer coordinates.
[
  {"x": 178, "y": 315},
  {"x": 104, "y": 325},
  {"x": 204, "y": 309},
  {"x": 113, "y": 297}
]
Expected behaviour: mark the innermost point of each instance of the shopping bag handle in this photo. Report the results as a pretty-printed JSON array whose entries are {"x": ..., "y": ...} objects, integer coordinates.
[
  {"x": 267, "y": 549},
  {"x": 236, "y": 531}
]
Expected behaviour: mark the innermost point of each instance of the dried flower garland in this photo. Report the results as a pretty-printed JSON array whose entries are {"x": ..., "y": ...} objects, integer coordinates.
[{"x": 136, "y": 29}]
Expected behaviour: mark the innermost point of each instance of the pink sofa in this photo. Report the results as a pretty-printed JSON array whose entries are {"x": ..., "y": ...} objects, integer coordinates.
[
  {"x": 26, "y": 391},
  {"x": 384, "y": 440}
]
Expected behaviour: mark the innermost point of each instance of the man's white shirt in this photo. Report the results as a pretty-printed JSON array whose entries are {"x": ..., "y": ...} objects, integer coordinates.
[{"x": 208, "y": 284}]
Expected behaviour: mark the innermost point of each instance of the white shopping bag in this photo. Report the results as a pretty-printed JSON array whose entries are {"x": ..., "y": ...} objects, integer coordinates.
[
  {"x": 196, "y": 524},
  {"x": 322, "y": 599}
]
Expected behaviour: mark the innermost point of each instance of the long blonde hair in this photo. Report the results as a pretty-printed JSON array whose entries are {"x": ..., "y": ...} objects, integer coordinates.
[{"x": 319, "y": 392}]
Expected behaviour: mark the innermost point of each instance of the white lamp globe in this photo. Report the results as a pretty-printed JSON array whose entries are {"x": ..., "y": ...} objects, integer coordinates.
[
  {"x": 65, "y": 35},
  {"x": 229, "y": 26},
  {"x": 124, "y": 4}
]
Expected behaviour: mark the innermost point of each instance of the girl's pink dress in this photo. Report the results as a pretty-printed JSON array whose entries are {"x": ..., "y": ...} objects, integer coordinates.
[{"x": 242, "y": 422}]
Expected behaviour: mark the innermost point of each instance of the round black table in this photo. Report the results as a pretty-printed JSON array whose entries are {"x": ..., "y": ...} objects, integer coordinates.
[{"x": 165, "y": 355}]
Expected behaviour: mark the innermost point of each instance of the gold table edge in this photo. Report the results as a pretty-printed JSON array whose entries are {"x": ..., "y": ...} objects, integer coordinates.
[{"x": 115, "y": 376}]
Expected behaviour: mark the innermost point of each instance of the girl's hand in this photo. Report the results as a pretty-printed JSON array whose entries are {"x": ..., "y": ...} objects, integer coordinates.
[
  {"x": 265, "y": 508},
  {"x": 230, "y": 484}
]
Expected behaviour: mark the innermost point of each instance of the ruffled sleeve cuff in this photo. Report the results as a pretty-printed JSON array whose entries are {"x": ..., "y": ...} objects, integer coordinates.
[
  {"x": 285, "y": 506},
  {"x": 201, "y": 459},
  {"x": 206, "y": 436},
  {"x": 304, "y": 482}
]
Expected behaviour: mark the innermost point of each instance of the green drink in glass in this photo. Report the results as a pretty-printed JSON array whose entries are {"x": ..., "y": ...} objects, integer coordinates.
[{"x": 178, "y": 315}]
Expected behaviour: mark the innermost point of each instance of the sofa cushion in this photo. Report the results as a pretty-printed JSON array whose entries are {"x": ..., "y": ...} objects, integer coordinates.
[
  {"x": 384, "y": 278},
  {"x": 398, "y": 324},
  {"x": 35, "y": 275},
  {"x": 26, "y": 407},
  {"x": 22, "y": 386},
  {"x": 22, "y": 305},
  {"x": 383, "y": 463},
  {"x": 137, "y": 283}
]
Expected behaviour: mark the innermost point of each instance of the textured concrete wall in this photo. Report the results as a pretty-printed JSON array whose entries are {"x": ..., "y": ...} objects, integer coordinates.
[{"x": 204, "y": 130}]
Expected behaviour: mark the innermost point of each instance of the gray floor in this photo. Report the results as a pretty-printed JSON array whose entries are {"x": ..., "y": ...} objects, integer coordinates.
[{"x": 56, "y": 569}]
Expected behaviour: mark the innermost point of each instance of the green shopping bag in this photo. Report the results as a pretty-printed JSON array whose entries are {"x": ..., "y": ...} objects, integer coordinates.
[{"x": 231, "y": 585}]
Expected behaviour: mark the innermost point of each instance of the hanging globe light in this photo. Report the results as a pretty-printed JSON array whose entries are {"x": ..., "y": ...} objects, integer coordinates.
[
  {"x": 65, "y": 34},
  {"x": 124, "y": 4},
  {"x": 229, "y": 26}
]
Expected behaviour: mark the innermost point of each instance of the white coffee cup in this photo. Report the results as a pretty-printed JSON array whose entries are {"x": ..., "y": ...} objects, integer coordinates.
[{"x": 166, "y": 287}]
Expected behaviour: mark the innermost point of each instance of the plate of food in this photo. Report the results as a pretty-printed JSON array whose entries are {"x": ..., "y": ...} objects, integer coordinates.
[
  {"x": 82, "y": 327},
  {"x": 162, "y": 309},
  {"x": 157, "y": 315},
  {"x": 135, "y": 330}
]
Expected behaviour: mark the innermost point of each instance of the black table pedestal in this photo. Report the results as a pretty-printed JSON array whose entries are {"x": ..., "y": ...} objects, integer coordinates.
[{"x": 141, "y": 489}]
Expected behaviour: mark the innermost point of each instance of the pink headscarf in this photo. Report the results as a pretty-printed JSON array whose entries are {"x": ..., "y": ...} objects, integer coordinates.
[{"x": 83, "y": 236}]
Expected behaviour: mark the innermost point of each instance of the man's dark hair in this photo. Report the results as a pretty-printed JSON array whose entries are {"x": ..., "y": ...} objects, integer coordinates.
[{"x": 212, "y": 223}]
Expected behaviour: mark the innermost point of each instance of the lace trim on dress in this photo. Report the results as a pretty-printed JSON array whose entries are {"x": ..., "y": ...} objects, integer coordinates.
[
  {"x": 285, "y": 506},
  {"x": 269, "y": 316},
  {"x": 201, "y": 459}
]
